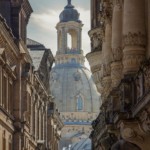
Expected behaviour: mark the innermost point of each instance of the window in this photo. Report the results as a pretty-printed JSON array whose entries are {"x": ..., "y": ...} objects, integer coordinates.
[
  {"x": 79, "y": 103},
  {"x": 69, "y": 41}
]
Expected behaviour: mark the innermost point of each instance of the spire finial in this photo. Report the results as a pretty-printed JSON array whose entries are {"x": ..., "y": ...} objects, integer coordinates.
[{"x": 69, "y": 2}]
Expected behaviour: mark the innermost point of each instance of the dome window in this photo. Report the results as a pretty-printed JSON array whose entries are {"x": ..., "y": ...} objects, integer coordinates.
[{"x": 79, "y": 103}]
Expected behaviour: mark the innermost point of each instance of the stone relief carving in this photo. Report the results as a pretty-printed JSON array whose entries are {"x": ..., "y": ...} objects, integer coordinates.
[
  {"x": 134, "y": 39},
  {"x": 96, "y": 36},
  {"x": 130, "y": 131},
  {"x": 106, "y": 13},
  {"x": 96, "y": 42},
  {"x": 145, "y": 120},
  {"x": 132, "y": 62}
]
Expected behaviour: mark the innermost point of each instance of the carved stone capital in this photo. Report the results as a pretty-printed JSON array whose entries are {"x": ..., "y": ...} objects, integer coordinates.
[
  {"x": 131, "y": 62},
  {"x": 134, "y": 39}
]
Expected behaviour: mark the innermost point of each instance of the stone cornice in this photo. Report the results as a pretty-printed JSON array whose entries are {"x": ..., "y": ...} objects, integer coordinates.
[
  {"x": 69, "y": 24},
  {"x": 27, "y": 9}
]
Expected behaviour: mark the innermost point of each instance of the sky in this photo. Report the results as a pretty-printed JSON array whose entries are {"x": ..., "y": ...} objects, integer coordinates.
[{"x": 45, "y": 16}]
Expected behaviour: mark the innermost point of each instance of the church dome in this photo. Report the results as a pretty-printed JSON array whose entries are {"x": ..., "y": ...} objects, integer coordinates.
[
  {"x": 73, "y": 88},
  {"x": 69, "y": 13}
]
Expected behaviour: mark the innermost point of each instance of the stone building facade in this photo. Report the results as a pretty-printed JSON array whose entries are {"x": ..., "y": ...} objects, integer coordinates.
[
  {"x": 119, "y": 60},
  {"x": 29, "y": 120}
]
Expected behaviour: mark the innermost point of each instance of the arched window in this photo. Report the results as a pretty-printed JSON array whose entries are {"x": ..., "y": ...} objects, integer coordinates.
[
  {"x": 79, "y": 103},
  {"x": 69, "y": 41}
]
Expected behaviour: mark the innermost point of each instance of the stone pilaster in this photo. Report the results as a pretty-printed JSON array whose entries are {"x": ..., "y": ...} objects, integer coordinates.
[{"x": 134, "y": 36}]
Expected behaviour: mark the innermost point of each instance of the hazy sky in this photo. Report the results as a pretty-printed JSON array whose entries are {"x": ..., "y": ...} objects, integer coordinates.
[{"x": 43, "y": 21}]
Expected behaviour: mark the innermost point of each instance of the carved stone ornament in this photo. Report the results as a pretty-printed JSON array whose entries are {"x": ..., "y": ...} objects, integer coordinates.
[
  {"x": 132, "y": 62},
  {"x": 130, "y": 131},
  {"x": 106, "y": 14},
  {"x": 96, "y": 36},
  {"x": 117, "y": 54},
  {"x": 145, "y": 120},
  {"x": 134, "y": 39}
]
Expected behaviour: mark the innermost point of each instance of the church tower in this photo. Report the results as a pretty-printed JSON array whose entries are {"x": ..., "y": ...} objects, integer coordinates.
[
  {"x": 71, "y": 82},
  {"x": 69, "y": 31}
]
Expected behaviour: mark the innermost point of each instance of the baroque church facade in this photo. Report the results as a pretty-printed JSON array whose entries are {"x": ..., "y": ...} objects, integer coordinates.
[
  {"x": 72, "y": 84},
  {"x": 29, "y": 119},
  {"x": 119, "y": 60}
]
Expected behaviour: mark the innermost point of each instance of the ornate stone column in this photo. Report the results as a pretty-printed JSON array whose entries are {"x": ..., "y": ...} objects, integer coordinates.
[
  {"x": 134, "y": 35},
  {"x": 116, "y": 66}
]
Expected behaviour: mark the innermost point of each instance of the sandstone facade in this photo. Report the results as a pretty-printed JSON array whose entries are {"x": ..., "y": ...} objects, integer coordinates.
[
  {"x": 29, "y": 119},
  {"x": 119, "y": 61}
]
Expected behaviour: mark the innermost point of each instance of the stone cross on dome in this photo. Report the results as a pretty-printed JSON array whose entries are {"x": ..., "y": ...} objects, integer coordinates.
[{"x": 69, "y": 2}]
